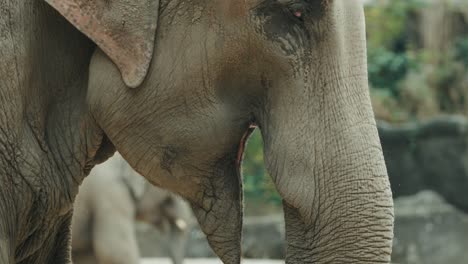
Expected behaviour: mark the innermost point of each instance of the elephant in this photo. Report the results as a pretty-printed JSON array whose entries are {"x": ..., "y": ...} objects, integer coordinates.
[
  {"x": 106, "y": 207},
  {"x": 176, "y": 87}
]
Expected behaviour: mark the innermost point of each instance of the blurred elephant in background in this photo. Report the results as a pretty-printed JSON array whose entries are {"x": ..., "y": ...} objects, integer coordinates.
[
  {"x": 177, "y": 86},
  {"x": 109, "y": 200}
]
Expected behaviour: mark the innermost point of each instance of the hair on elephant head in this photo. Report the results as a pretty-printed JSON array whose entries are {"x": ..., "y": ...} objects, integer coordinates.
[{"x": 209, "y": 71}]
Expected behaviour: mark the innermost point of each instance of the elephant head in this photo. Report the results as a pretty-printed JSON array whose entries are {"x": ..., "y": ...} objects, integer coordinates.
[
  {"x": 206, "y": 73},
  {"x": 172, "y": 216}
]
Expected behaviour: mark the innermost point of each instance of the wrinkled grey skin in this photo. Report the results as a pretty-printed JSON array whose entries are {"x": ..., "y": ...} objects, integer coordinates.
[
  {"x": 110, "y": 198},
  {"x": 217, "y": 67}
]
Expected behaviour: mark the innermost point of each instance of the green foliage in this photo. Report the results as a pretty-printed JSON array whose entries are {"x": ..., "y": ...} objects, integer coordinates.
[
  {"x": 407, "y": 80},
  {"x": 387, "y": 22},
  {"x": 461, "y": 50},
  {"x": 388, "y": 43},
  {"x": 257, "y": 183},
  {"x": 387, "y": 69}
]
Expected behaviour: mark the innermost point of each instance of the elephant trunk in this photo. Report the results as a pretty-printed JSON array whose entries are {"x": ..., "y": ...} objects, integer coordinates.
[
  {"x": 323, "y": 152},
  {"x": 329, "y": 169}
]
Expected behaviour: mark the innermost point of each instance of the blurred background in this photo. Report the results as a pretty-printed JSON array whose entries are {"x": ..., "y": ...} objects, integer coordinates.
[{"x": 418, "y": 73}]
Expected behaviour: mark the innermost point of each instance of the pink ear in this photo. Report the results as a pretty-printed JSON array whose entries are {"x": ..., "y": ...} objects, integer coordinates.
[{"x": 123, "y": 29}]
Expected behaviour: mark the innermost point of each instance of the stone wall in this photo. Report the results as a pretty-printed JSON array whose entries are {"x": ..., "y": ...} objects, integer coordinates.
[
  {"x": 429, "y": 155},
  {"x": 428, "y": 230}
]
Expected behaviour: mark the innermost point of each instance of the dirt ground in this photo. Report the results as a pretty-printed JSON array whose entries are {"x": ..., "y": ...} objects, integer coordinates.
[{"x": 208, "y": 261}]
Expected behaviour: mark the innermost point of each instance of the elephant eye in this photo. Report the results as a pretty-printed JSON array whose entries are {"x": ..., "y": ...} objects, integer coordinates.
[{"x": 297, "y": 10}]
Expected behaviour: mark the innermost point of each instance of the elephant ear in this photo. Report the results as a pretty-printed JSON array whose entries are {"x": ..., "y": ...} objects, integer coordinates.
[{"x": 124, "y": 29}]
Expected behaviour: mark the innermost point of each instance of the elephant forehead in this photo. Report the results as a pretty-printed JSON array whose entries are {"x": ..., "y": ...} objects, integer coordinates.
[
  {"x": 233, "y": 9},
  {"x": 237, "y": 8}
]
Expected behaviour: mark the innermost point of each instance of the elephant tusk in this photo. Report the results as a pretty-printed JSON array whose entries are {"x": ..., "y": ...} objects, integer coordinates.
[{"x": 181, "y": 224}]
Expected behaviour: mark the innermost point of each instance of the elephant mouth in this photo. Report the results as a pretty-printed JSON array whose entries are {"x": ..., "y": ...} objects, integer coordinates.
[{"x": 243, "y": 141}]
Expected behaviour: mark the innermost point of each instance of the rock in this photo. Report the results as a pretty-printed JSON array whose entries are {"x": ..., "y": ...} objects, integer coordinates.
[
  {"x": 428, "y": 155},
  {"x": 264, "y": 237},
  {"x": 429, "y": 231}
]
